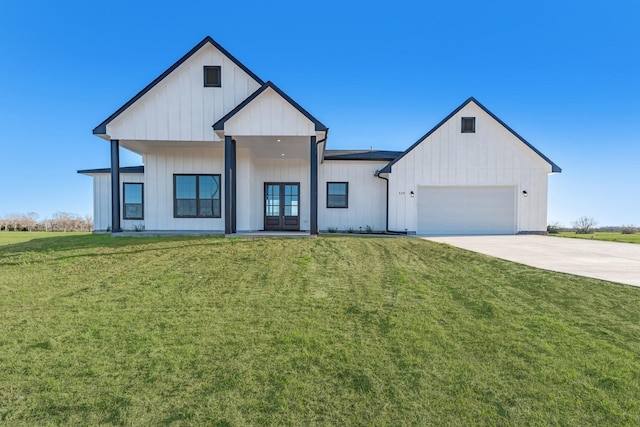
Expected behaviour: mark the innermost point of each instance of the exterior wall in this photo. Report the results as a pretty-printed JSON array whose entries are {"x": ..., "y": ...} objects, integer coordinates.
[
  {"x": 269, "y": 114},
  {"x": 180, "y": 108},
  {"x": 367, "y": 195},
  {"x": 490, "y": 156},
  {"x": 160, "y": 166},
  {"x": 102, "y": 201}
]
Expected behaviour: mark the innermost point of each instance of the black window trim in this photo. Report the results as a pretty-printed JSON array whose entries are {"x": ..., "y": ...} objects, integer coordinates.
[
  {"x": 346, "y": 195},
  {"x": 473, "y": 127},
  {"x": 124, "y": 201},
  {"x": 197, "y": 175},
  {"x": 204, "y": 75}
]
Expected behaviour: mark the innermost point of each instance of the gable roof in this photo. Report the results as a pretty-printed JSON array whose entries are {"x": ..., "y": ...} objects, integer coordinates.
[
  {"x": 101, "y": 129},
  {"x": 379, "y": 155},
  {"x": 219, "y": 125},
  {"x": 554, "y": 167}
]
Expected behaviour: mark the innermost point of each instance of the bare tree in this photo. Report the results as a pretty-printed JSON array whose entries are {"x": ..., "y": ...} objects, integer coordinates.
[
  {"x": 584, "y": 225},
  {"x": 30, "y": 221}
]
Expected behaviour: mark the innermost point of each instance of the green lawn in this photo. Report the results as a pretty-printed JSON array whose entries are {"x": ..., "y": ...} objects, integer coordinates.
[
  {"x": 610, "y": 237},
  {"x": 12, "y": 237},
  {"x": 97, "y": 330}
]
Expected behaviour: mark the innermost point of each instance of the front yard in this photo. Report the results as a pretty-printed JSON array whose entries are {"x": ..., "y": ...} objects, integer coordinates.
[{"x": 329, "y": 330}]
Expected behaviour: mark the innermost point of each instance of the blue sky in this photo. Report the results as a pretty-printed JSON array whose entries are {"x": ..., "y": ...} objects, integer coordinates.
[{"x": 563, "y": 74}]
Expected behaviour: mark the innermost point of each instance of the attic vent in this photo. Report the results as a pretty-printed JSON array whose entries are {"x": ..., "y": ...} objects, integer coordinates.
[
  {"x": 212, "y": 76},
  {"x": 468, "y": 125}
]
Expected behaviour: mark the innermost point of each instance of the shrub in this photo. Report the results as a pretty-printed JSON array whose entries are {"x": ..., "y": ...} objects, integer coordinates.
[
  {"x": 584, "y": 225},
  {"x": 350, "y": 230},
  {"x": 369, "y": 229},
  {"x": 628, "y": 229},
  {"x": 553, "y": 227},
  {"x": 332, "y": 229}
]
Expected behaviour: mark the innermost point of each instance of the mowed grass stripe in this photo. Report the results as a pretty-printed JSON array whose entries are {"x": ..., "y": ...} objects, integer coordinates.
[{"x": 333, "y": 330}]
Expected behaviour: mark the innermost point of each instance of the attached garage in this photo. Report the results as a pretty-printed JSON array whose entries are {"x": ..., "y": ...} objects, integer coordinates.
[{"x": 466, "y": 210}]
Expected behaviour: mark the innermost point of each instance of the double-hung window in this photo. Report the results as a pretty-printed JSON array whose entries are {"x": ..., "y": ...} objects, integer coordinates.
[
  {"x": 196, "y": 196},
  {"x": 133, "y": 197},
  {"x": 337, "y": 194}
]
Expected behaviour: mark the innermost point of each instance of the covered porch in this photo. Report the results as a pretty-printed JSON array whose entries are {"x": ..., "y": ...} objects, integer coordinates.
[{"x": 272, "y": 148}]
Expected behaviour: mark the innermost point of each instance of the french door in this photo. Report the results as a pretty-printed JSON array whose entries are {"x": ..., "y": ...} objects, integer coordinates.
[{"x": 282, "y": 206}]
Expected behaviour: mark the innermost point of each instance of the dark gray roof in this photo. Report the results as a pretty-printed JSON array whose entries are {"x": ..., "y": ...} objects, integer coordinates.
[
  {"x": 101, "y": 129},
  {"x": 554, "y": 167},
  {"x": 379, "y": 155},
  {"x": 219, "y": 125},
  {"x": 124, "y": 169}
]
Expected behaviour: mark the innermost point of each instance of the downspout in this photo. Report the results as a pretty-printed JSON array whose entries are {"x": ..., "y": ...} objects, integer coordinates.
[
  {"x": 386, "y": 225},
  {"x": 326, "y": 135}
]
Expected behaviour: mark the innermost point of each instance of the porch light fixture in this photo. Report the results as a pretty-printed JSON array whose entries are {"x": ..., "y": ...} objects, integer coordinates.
[
  {"x": 524, "y": 193},
  {"x": 412, "y": 193},
  {"x": 282, "y": 154},
  {"x": 277, "y": 140}
]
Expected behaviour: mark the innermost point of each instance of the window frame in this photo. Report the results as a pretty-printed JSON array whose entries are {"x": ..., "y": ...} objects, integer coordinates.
[
  {"x": 473, "y": 123},
  {"x": 204, "y": 75},
  {"x": 346, "y": 195},
  {"x": 124, "y": 201},
  {"x": 197, "y": 192}
]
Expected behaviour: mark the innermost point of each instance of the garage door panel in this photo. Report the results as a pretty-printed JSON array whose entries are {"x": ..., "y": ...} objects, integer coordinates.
[{"x": 466, "y": 210}]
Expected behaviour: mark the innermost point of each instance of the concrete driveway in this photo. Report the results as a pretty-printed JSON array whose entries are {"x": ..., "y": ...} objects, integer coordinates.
[{"x": 612, "y": 261}]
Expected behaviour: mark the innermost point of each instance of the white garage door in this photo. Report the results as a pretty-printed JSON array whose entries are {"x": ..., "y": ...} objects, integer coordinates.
[{"x": 466, "y": 210}]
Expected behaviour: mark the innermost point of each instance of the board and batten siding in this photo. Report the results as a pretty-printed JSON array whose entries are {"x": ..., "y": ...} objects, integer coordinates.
[
  {"x": 492, "y": 156},
  {"x": 269, "y": 114},
  {"x": 102, "y": 201},
  {"x": 367, "y": 196},
  {"x": 160, "y": 167},
  {"x": 180, "y": 108}
]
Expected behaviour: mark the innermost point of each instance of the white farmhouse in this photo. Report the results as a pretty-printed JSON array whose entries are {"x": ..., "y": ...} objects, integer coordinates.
[{"x": 226, "y": 152}]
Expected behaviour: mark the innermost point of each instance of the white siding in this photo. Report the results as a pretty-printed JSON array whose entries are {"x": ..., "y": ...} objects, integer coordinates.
[
  {"x": 367, "y": 195},
  {"x": 269, "y": 114},
  {"x": 160, "y": 166},
  {"x": 492, "y": 156},
  {"x": 102, "y": 201},
  {"x": 180, "y": 108}
]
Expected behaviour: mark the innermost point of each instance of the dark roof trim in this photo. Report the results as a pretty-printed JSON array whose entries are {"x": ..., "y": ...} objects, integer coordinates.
[
  {"x": 361, "y": 155},
  {"x": 219, "y": 125},
  {"x": 101, "y": 129},
  {"x": 554, "y": 167},
  {"x": 124, "y": 169}
]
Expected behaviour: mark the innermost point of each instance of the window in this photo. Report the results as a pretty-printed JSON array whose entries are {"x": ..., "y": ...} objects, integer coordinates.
[
  {"x": 133, "y": 197},
  {"x": 468, "y": 125},
  {"x": 337, "y": 194},
  {"x": 212, "y": 76},
  {"x": 196, "y": 196}
]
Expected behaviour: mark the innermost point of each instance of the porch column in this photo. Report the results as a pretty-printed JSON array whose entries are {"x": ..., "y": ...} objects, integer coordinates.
[
  {"x": 229, "y": 185},
  {"x": 115, "y": 186},
  {"x": 234, "y": 204},
  {"x": 313, "y": 191}
]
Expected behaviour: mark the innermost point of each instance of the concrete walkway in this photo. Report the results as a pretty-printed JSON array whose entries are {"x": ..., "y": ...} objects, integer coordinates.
[{"x": 612, "y": 261}]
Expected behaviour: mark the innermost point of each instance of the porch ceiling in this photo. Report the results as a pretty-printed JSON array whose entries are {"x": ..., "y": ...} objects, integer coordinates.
[{"x": 275, "y": 147}]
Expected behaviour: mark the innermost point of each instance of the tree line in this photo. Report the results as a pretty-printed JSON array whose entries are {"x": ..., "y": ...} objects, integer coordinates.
[{"x": 59, "y": 221}]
